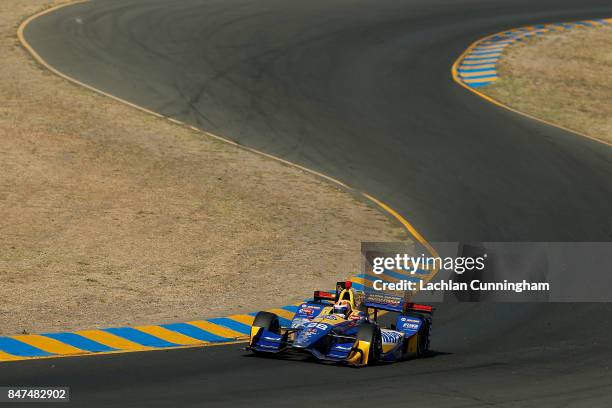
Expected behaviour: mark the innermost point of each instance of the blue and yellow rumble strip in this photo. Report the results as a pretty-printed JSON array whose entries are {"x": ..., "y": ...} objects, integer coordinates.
[
  {"x": 137, "y": 338},
  {"x": 157, "y": 337},
  {"x": 478, "y": 67}
]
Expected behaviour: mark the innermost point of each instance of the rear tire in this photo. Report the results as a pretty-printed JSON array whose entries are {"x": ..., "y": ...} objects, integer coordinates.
[
  {"x": 423, "y": 340},
  {"x": 371, "y": 333},
  {"x": 423, "y": 334}
]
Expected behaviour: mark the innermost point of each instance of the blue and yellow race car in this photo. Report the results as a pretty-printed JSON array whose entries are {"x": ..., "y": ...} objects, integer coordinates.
[{"x": 343, "y": 327}]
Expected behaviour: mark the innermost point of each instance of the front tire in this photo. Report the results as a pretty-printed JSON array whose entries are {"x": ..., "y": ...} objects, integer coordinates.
[
  {"x": 269, "y": 321},
  {"x": 370, "y": 333},
  {"x": 266, "y": 321}
]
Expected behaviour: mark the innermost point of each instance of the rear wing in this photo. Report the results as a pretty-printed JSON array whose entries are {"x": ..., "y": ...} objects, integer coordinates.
[
  {"x": 416, "y": 307},
  {"x": 322, "y": 296},
  {"x": 390, "y": 303}
]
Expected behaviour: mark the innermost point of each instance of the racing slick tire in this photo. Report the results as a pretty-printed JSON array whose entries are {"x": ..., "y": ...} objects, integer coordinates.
[
  {"x": 268, "y": 321},
  {"x": 423, "y": 340},
  {"x": 370, "y": 333},
  {"x": 423, "y": 336}
]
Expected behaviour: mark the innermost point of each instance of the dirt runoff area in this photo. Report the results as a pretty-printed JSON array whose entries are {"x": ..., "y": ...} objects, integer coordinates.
[
  {"x": 564, "y": 78},
  {"x": 110, "y": 216}
]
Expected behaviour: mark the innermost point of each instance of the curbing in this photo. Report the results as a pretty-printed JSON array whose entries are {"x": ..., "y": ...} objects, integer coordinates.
[{"x": 476, "y": 67}]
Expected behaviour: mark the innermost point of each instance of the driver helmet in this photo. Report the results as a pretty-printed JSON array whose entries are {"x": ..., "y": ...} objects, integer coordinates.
[{"x": 342, "y": 307}]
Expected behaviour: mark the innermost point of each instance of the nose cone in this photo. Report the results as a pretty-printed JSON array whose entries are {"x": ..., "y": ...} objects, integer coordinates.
[{"x": 311, "y": 333}]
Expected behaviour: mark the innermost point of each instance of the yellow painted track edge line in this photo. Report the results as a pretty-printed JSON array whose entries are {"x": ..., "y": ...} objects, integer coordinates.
[
  {"x": 378, "y": 203},
  {"x": 455, "y": 74}
]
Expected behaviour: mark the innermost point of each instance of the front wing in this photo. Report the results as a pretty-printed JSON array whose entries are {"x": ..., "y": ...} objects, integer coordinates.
[{"x": 395, "y": 346}]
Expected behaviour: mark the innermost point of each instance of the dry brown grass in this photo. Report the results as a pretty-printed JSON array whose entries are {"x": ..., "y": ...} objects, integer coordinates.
[
  {"x": 109, "y": 216},
  {"x": 564, "y": 78}
]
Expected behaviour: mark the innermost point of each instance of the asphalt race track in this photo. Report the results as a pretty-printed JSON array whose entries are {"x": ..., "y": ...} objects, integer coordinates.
[
  {"x": 359, "y": 90},
  {"x": 515, "y": 356}
]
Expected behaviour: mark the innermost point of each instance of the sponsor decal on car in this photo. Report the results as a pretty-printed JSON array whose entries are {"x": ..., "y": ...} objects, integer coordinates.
[
  {"x": 391, "y": 336},
  {"x": 409, "y": 323},
  {"x": 308, "y": 310},
  {"x": 320, "y": 326}
]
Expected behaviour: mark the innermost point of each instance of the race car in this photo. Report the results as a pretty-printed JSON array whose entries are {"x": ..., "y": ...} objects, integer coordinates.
[{"x": 343, "y": 327}]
